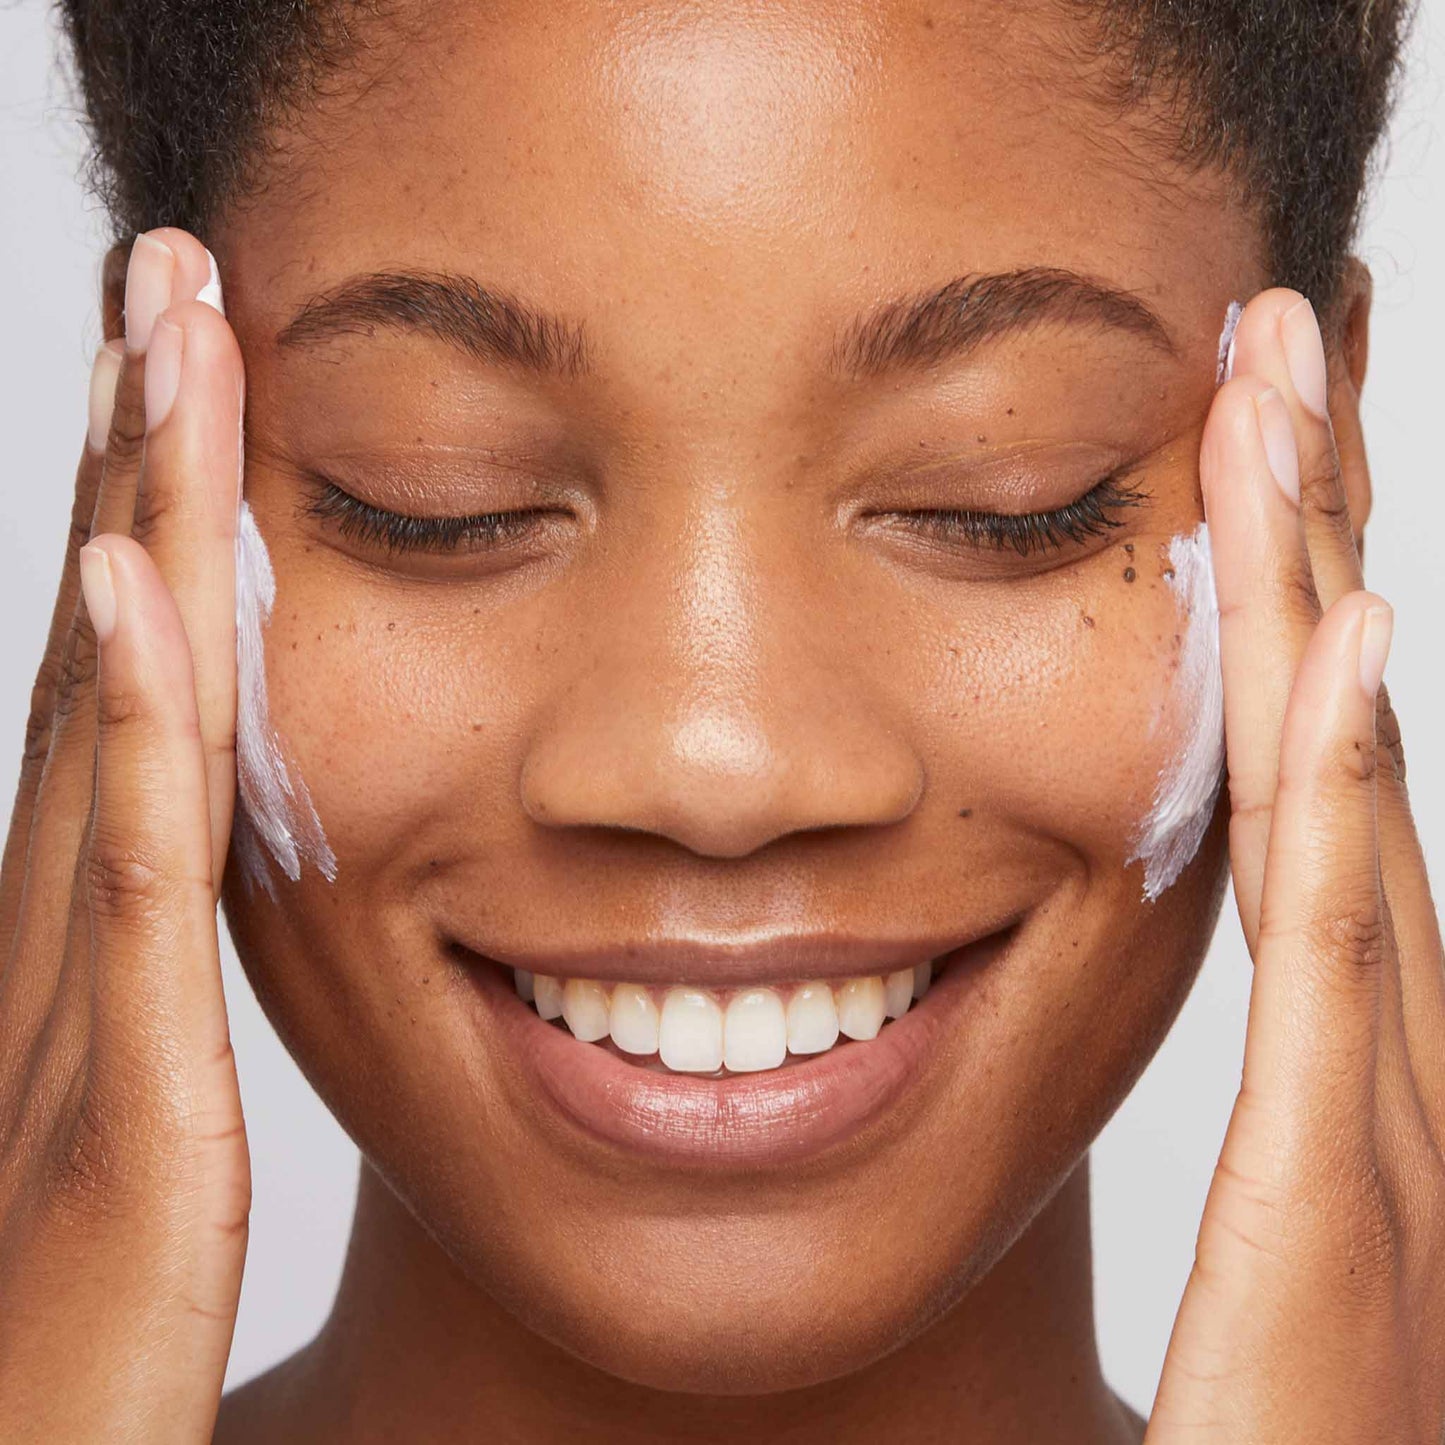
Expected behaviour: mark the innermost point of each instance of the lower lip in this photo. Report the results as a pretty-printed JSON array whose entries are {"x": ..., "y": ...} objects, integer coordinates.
[{"x": 776, "y": 1116}]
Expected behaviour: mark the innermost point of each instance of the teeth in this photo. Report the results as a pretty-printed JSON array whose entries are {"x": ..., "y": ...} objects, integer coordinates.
[
  {"x": 584, "y": 1009},
  {"x": 635, "y": 1019},
  {"x": 755, "y": 1033},
  {"x": 898, "y": 993},
  {"x": 755, "y": 1029},
  {"x": 690, "y": 1038},
  {"x": 860, "y": 1007},
  {"x": 547, "y": 995},
  {"x": 812, "y": 1019}
]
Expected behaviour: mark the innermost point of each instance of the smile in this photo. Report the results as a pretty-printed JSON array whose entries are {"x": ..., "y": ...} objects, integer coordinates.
[
  {"x": 749, "y": 1057},
  {"x": 709, "y": 1031}
]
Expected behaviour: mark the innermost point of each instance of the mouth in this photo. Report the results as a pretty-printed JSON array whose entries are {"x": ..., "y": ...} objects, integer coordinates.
[
  {"x": 697, "y": 1071},
  {"x": 719, "y": 1033}
]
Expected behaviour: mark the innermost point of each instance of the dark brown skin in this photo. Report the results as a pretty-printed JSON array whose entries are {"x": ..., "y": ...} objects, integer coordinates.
[{"x": 717, "y": 687}]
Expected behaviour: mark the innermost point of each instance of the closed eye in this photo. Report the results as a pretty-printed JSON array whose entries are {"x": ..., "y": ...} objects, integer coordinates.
[{"x": 1095, "y": 514}]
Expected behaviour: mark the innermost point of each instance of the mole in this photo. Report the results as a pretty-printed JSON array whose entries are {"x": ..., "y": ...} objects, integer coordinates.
[{"x": 1128, "y": 574}]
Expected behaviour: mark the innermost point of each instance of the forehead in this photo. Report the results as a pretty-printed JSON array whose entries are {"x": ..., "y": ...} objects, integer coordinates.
[{"x": 739, "y": 159}]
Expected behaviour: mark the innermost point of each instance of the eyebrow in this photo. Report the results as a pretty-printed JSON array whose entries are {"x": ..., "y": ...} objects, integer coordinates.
[
  {"x": 955, "y": 319},
  {"x": 489, "y": 325},
  {"x": 944, "y": 324}
]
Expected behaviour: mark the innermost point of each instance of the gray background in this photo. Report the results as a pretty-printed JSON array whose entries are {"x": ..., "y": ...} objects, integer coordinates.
[{"x": 1153, "y": 1163}]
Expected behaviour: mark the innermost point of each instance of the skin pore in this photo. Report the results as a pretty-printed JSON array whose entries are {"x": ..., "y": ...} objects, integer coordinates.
[{"x": 718, "y": 686}]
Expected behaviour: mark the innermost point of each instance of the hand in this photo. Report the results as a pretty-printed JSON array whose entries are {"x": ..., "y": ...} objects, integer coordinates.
[
  {"x": 1316, "y": 1308},
  {"x": 124, "y": 1174}
]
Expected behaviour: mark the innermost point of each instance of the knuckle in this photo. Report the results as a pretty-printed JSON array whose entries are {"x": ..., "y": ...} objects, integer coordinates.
[
  {"x": 1322, "y": 490},
  {"x": 125, "y": 445},
  {"x": 154, "y": 508},
  {"x": 1298, "y": 597},
  {"x": 122, "y": 883},
  {"x": 86, "y": 1162},
  {"x": 74, "y": 671},
  {"x": 1353, "y": 760},
  {"x": 39, "y": 720},
  {"x": 1352, "y": 933}
]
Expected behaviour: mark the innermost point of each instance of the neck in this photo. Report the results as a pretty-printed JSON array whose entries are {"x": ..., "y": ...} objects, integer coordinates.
[{"x": 413, "y": 1350}]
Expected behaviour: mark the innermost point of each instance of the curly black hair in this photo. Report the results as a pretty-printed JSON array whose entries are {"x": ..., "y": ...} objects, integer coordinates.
[{"x": 1289, "y": 97}]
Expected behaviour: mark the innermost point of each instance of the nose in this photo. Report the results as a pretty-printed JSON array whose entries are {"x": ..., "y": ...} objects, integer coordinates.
[{"x": 721, "y": 700}]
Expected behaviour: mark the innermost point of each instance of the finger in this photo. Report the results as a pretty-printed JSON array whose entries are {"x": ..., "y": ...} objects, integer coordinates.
[
  {"x": 185, "y": 516},
  {"x": 153, "y": 959},
  {"x": 1323, "y": 943},
  {"x": 62, "y": 797},
  {"x": 1279, "y": 340},
  {"x": 1267, "y": 606},
  {"x": 103, "y": 374}
]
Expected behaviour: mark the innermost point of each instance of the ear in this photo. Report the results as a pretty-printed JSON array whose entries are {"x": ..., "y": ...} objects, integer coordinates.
[
  {"x": 112, "y": 290},
  {"x": 1348, "y": 352}
]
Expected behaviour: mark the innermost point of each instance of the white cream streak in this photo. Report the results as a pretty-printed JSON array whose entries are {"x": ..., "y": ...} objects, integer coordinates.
[
  {"x": 1186, "y": 791},
  {"x": 1185, "y": 794},
  {"x": 275, "y": 802}
]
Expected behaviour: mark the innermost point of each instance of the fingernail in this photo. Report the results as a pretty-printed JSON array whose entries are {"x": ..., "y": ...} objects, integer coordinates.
[
  {"x": 1375, "y": 634},
  {"x": 210, "y": 293},
  {"x": 148, "y": 281},
  {"x": 97, "y": 585},
  {"x": 1304, "y": 355},
  {"x": 163, "y": 371},
  {"x": 104, "y": 371},
  {"x": 1276, "y": 430}
]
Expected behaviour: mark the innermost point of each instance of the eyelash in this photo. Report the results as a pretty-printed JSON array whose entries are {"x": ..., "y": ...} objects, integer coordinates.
[
  {"x": 1030, "y": 532},
  {"x": 1025, "y": 533},
  {"x": 399, "y": 532}
]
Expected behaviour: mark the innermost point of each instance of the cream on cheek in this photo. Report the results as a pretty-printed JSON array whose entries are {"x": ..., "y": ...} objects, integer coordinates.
[
  {"x": 276, "y": 811},
  {"x": 1188, "y": 785}
]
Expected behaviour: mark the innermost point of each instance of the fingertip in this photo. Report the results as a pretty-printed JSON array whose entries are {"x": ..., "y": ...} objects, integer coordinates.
[
  {"x": 104, "y": 374},
  {"x": 1377, "y": 630},
  {"x": 97, "y": 586}
]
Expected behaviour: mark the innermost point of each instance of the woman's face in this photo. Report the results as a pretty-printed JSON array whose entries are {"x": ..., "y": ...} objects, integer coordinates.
[{"x": 733, "y": 701}]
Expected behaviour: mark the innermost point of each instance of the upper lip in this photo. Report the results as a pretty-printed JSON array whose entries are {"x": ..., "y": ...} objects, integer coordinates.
[{"x": 724, "y": 962}]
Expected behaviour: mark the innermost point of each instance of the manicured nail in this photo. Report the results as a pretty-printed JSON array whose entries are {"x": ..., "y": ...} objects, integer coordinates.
[
  {"x": 97, "y": 585},
  {"x": 1276, "y": 430},
  {"x": 148, "y": 281},
  {"x": 163, "y": 371},
  {"x": 210, "y": 293},
  {"x": 1304, "y": 354},
  {"x": 104, "y": 371},
  {"x": 1375, "y": 633}
]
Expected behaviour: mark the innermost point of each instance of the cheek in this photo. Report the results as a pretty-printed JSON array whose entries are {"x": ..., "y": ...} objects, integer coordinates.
[
  {"x": 1063, "y": 704},
  {"x": 401, "y": 711}
]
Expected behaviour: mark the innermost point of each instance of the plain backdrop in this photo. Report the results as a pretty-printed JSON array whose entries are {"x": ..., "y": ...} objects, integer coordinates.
[{"x": 1152, "y": 1165}]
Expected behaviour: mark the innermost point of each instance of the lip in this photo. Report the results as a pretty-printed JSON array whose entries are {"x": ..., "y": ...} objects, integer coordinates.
[
  {"x": 746, "y": 1121},
  {"x": 767, "y": 959}
]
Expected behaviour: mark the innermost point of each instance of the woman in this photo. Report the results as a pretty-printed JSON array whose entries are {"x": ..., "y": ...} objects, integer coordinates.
[{"x": 762, "y": 532}]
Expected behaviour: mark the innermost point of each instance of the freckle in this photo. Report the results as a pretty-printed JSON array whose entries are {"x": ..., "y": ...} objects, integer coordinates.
[
  {"x": 476, "y": 727},
  {"x": 294, "y": 646},
  {"x": 1010, "y": 411},
  {"x": 965, "y": 812},
  {"x": 1128, "y": 574},
  {"x": 391, "y": 627}
]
